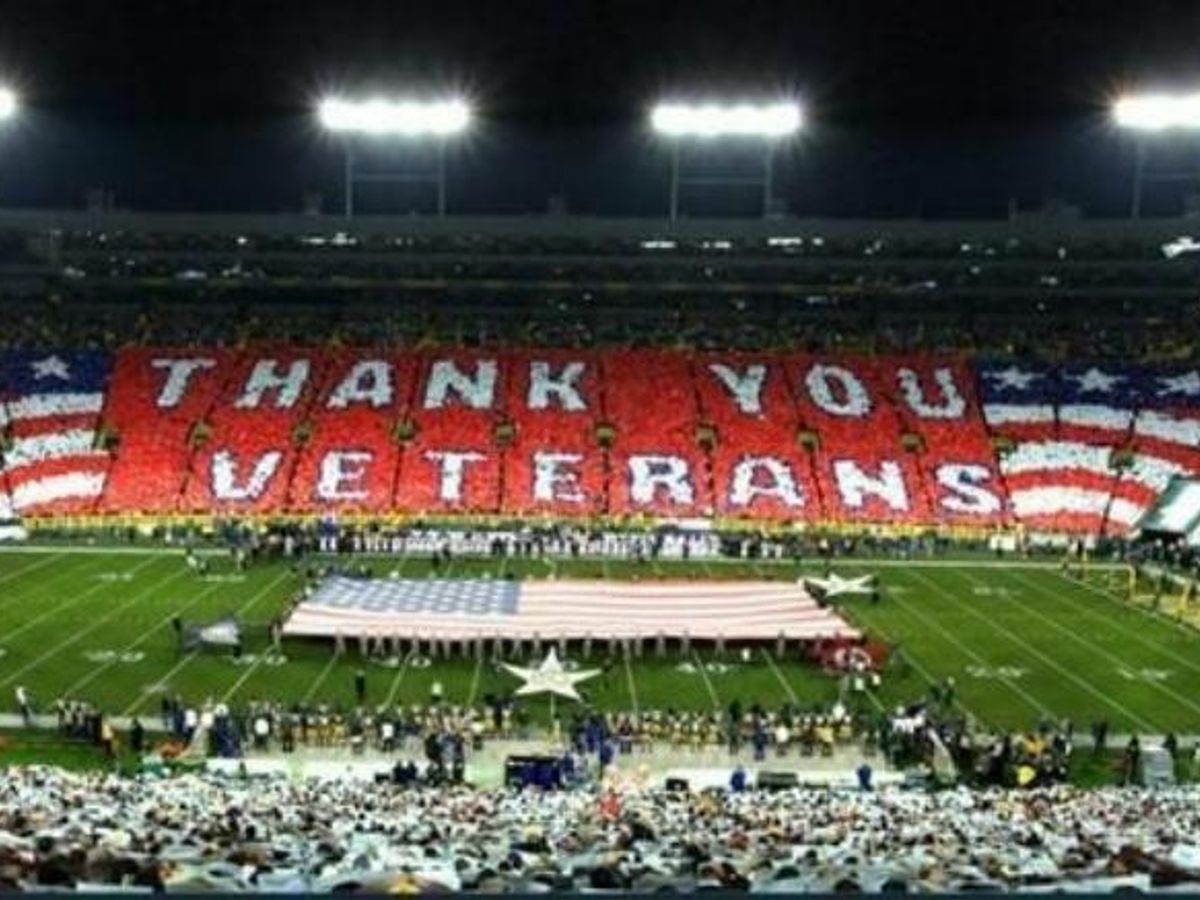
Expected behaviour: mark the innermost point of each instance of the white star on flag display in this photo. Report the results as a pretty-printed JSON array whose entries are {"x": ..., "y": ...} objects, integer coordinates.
[
  {"x": 51, "y": 367},
  {"x": 1093, "y": 380},
  {"x": 835, "y": 585},
  {"x": 549, "y": 678},
  {"x": 1188, "y": 384},
  {"x": 1012, "y": 377}
]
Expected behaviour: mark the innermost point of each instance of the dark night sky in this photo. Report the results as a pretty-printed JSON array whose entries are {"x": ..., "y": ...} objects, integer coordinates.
[{"x": 928, "y": 107}]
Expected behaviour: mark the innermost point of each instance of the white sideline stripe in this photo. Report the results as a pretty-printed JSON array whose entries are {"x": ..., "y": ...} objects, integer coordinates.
[
  {"x": 855, "y": 562},
  {"x": 1083, "y": 607},
  {"x": 37, "y": 564},
  {"x": 39, "y": 448},
  {"x": 1050, "y": 661},
  {"x": 96, "y": 623},
  {"x": 57, "y": 487},
  {"x": 70, "y": 601},
  {"x": 107, "y": 551},
  {"x": 1029, "y": 699}
]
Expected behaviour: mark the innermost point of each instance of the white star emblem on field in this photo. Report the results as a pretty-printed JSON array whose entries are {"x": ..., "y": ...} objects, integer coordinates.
[
  {"x": 1012, "y": 377},
  {"x": 549, "y": 678},
  {"x": 835, "y": 585},
  {"x": 1180, "y": 384},
  {"x": 50, "y": 367},
  {"x": 1093, "y": 380}
]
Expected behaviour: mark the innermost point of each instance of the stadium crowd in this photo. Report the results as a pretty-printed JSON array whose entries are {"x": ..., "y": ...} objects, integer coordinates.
[
  {"x": 63, "y": 830},
  {"x": 81, "y": 326}
]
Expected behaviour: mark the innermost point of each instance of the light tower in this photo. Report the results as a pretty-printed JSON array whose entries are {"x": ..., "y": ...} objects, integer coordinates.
[
  {"x": 1150, "y": 118},
  {"x": 767, "y": 123},
  {"x": 381, "y": 118}
]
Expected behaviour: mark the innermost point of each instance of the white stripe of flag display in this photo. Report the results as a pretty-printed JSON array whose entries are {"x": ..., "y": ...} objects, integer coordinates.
[
  {"x": 1067, "y": 425},
  {"x": 448, "y": 609},
  {"x": 51, "y": 402}
]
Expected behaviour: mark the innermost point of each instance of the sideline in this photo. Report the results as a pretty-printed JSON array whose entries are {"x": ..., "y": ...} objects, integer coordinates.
[{"x": 885, "y": 562}]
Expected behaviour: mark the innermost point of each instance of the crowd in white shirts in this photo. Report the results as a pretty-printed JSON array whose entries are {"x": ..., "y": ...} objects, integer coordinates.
[{"x": 208, "y": 832}]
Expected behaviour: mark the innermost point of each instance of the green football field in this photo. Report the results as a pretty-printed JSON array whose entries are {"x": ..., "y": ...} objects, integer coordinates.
[{"x": 1023, "y": 642}]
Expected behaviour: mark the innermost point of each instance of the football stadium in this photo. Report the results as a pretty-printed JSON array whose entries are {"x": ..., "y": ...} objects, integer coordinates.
[{"x": 706, "y": 531}]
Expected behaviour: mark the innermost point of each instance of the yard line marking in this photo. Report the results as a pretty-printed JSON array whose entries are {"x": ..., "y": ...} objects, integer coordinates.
[
  {"x": 1125, "y": 604},
  {"x": 769, "y": 657},
  {"x": 1097, "y": 649},
  {"x": 475, "y": 680},
  {"x": 633, "y": 697},
  {"x": 312, "y": 688},
  {"x": 178, "y": 667},
  {"x": 233, "y": 689},
  {"x": 917, "y": 667},
  {"x": 707, "y": 681},
  {"x": 1158, "y": 617},
  {"x": 24, "y": 570},
  {"x": 58, "y": 648},
  {"x": 391, "y": 696},
  {"x": 967, "y": 651},
  {"x": 70, "y": 601},
  {"x": 1033, "y": 651},
  {"x": 43, "y": 588},
  {"x": 104, "y": 667},
  {"x": 161, "y": 683},
  {"x": 166, "y": 621}
]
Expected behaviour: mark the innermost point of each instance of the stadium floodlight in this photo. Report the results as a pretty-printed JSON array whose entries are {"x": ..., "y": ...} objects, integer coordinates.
[
  {"x": 1148, "y": 116},
  {"x": 1158, "y": 112},
  {"x": 8, "y": 103},
  {"x": 712, "y": 120},
  {"x": 380, "y": 117},
  {"x": 770, "y": 123},
  {"x": 402, "y": 118}
]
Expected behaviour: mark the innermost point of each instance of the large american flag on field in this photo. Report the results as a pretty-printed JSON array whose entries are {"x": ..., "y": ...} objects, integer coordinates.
[
  {"x": 50, "y": 404},
  {"x": 447, "y": 609},
  {"x": 1093, "y": 445}
]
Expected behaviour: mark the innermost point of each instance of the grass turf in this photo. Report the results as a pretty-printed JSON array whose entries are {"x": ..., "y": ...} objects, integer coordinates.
[{"x": 1022, "y": 643}]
